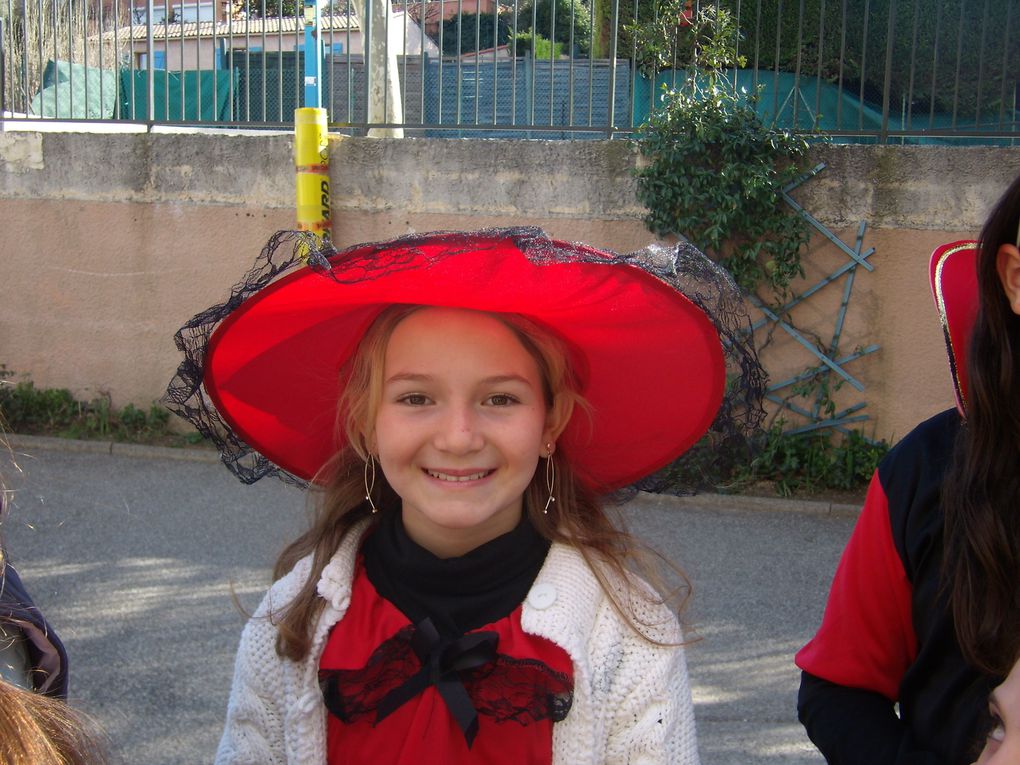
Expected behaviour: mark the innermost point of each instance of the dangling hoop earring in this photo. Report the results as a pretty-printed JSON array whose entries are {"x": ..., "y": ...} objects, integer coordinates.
[
  {"x": 370, "y": 482},
  {"x": 550, "y": 478}
]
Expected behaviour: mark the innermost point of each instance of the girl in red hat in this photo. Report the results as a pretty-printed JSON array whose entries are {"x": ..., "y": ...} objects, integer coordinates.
[
  {"x": 459, "y": 403},
  {"x": 924, "y": 611}
]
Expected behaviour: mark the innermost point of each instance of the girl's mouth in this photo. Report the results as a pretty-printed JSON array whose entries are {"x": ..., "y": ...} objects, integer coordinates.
[{"x": 458, "y": 477}]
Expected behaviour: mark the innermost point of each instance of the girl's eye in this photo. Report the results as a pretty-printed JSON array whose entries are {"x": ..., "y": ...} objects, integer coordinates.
[
  {"x": 414, "y": 399},
  {"x": 501, "y": 399},
  {"x": 998, "y": 731}
]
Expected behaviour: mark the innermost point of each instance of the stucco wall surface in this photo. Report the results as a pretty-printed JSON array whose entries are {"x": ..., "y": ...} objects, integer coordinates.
[{"x": 108, "y": 243}]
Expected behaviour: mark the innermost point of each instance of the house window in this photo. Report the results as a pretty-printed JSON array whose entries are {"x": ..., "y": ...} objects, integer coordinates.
[{"x": 158, "y": 60}]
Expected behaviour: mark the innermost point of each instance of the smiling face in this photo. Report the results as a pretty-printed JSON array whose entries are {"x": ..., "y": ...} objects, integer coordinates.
[{"x": 460, "y": 427}]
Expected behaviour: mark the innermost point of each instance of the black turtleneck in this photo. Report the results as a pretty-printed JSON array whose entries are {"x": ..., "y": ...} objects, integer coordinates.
[{"x": 458, "y": 594}]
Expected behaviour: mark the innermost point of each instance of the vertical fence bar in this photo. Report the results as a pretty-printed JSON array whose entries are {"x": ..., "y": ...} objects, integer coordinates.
[
  {"x": 3, "y": 64},
  {"x": 264, "y": 57},
  {"x": 199, "y": 40},
  {"x": 38, "y": 49},
  {"x": 614, "y": 29},
  {"x": 864, "y": 66},
  {"x": 442, "y": 53},
  {"x": 1006, "y": 37},
  {"x": 85, "y": 55},
  {"x": 25, "y": 56},
  {"x": 959, "y": 60},
  {"x": 102, "y": 44},
  {"x": 424, "y": 59},
  {"x": 818, "y": 66},
  {"x": 132, "y": 69},
  {"x": 842, "y": 59},
  {"x": 366, "y": 36},
  {"x": 887, "y": 77},
  {"x": 184, "y": 82},
  {"x": 981, "y": 67},
  {"x": 247, "y": 63},
  {"x": 403, "y": 89},
  {"x": 478, "y": 56},
  {"x": 229, "y": 57},
  {"x": 166, "y": 58},
  {"x": 909, "y": 121},
  {"x": 150, "y": 65},
  {"x": 329, "y": 52},
  {"x": 531, "y": 55},
  {"x": 56, "y": 80},
  {"x": 934, "y": 70},
  {"x": 570, "y": 70},
  {"x": 552, "y": 56},
  {"x": 513, "y": 66},
  {"x": 775, "y": 62},
  {"x": 757, "y": 45},
  {"x": 350, "y": 67},
  {"x": 591, "y": 67},
  {"x": 70, "y": 62},
  {"x": 216, "y": 60},
  {"x": 8, "y": 50},
  {"x": 495, "y": 63},
  {"x": 796, "y": 74},
  {"x": 460, "y": 68},
  {"x": 117, "y": 62},
  {"x": 386, "y": 61},
  {"x": 736, "y": 46}
]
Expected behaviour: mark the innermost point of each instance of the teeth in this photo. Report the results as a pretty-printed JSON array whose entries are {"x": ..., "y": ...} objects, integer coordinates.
[{"x": 456, "y": 478}]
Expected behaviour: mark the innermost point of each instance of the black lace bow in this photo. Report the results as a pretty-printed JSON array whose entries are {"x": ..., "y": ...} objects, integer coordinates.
[{"x": 442, "y": 661}]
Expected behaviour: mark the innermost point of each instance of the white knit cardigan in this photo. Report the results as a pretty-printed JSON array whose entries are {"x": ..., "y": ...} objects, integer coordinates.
[{"x": 631, "y": 704}]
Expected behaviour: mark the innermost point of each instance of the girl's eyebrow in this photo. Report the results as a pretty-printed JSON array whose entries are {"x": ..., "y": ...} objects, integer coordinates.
[
  {"x": 491, "y": 380},
  {"x": 407, "y": 377}
]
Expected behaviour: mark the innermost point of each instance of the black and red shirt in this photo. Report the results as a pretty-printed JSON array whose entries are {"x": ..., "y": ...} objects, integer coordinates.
[
  {"x": 430, "y": 663},
  {"x": 887, "y": 636}
]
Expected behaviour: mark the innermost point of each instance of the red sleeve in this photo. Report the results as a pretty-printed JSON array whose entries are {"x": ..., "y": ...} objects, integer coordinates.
[{"x": 867, "y": 636}]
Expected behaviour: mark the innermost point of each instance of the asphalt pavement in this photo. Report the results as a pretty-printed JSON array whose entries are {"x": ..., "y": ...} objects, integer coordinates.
[{"x": 144, "y": 558}]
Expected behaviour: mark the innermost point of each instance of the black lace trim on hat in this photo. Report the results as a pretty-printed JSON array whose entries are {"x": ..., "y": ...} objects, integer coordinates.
[
  {"x": 683, "y": 267},
  {"x": 501, "y": 687}
]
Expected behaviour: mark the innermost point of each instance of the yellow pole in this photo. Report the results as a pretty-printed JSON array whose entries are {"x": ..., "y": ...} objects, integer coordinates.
[{"x": 311, "y": 165}]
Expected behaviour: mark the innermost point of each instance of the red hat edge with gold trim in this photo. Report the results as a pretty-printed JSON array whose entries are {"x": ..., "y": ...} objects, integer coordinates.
[{"x": 952, "y": 271}]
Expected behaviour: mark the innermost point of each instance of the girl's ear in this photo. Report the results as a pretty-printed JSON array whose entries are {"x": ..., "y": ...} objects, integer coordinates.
[
  {"x": 1007, "y": 262},
  {"x": 557, "y": 419},
  {"x": 368, "y": 442}
]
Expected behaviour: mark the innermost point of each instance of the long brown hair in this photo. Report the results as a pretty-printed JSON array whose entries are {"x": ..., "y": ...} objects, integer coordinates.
[
  {"x": 981, "y": 492},
  {"x": 577, "y": 518}
]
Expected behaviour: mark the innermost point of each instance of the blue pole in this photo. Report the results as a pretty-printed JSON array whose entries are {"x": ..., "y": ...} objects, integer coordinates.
[{"x": 313, "y": 54}]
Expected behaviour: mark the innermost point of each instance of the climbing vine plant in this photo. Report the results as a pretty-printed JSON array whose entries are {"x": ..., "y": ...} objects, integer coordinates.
[
  {"x": 715, "y": 174},
  {"x": 712, "y": 170}
]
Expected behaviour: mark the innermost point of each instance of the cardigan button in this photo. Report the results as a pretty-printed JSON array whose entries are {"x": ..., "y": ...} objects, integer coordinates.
[{"x": 542, "y": 596}]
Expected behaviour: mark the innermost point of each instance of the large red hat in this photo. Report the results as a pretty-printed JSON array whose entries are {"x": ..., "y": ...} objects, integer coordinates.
[
  {"x": 649, "y": 360},
  {"x": 953, "y": 274}
]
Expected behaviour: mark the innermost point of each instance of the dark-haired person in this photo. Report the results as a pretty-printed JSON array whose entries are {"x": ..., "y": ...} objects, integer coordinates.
[{"x": 924, "y": 610}]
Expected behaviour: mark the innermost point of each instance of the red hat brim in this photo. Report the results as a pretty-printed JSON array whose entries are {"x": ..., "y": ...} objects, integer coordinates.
[
  {"x": 650, "y": 362},
  {"x": 953, "y": 274}
]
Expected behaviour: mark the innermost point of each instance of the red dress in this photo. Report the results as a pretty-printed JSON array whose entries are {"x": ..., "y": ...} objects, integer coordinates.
[{"x": 490, "y": 696}]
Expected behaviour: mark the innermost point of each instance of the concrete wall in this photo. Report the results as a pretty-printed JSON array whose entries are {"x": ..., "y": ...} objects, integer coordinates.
[{"x": 109, "y": 242}]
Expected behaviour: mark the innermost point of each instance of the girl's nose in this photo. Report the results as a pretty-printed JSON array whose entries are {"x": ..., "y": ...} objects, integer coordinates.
[{"x": 459, "y": 432}]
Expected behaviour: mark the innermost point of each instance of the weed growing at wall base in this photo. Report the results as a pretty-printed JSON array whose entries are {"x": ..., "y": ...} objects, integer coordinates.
[
  {"x": 29, "y": 410},
  {"x": 789, "y": 464}
]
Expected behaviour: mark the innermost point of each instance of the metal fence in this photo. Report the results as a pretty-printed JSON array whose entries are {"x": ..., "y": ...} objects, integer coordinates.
[{"x": 860, "y": 70}]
